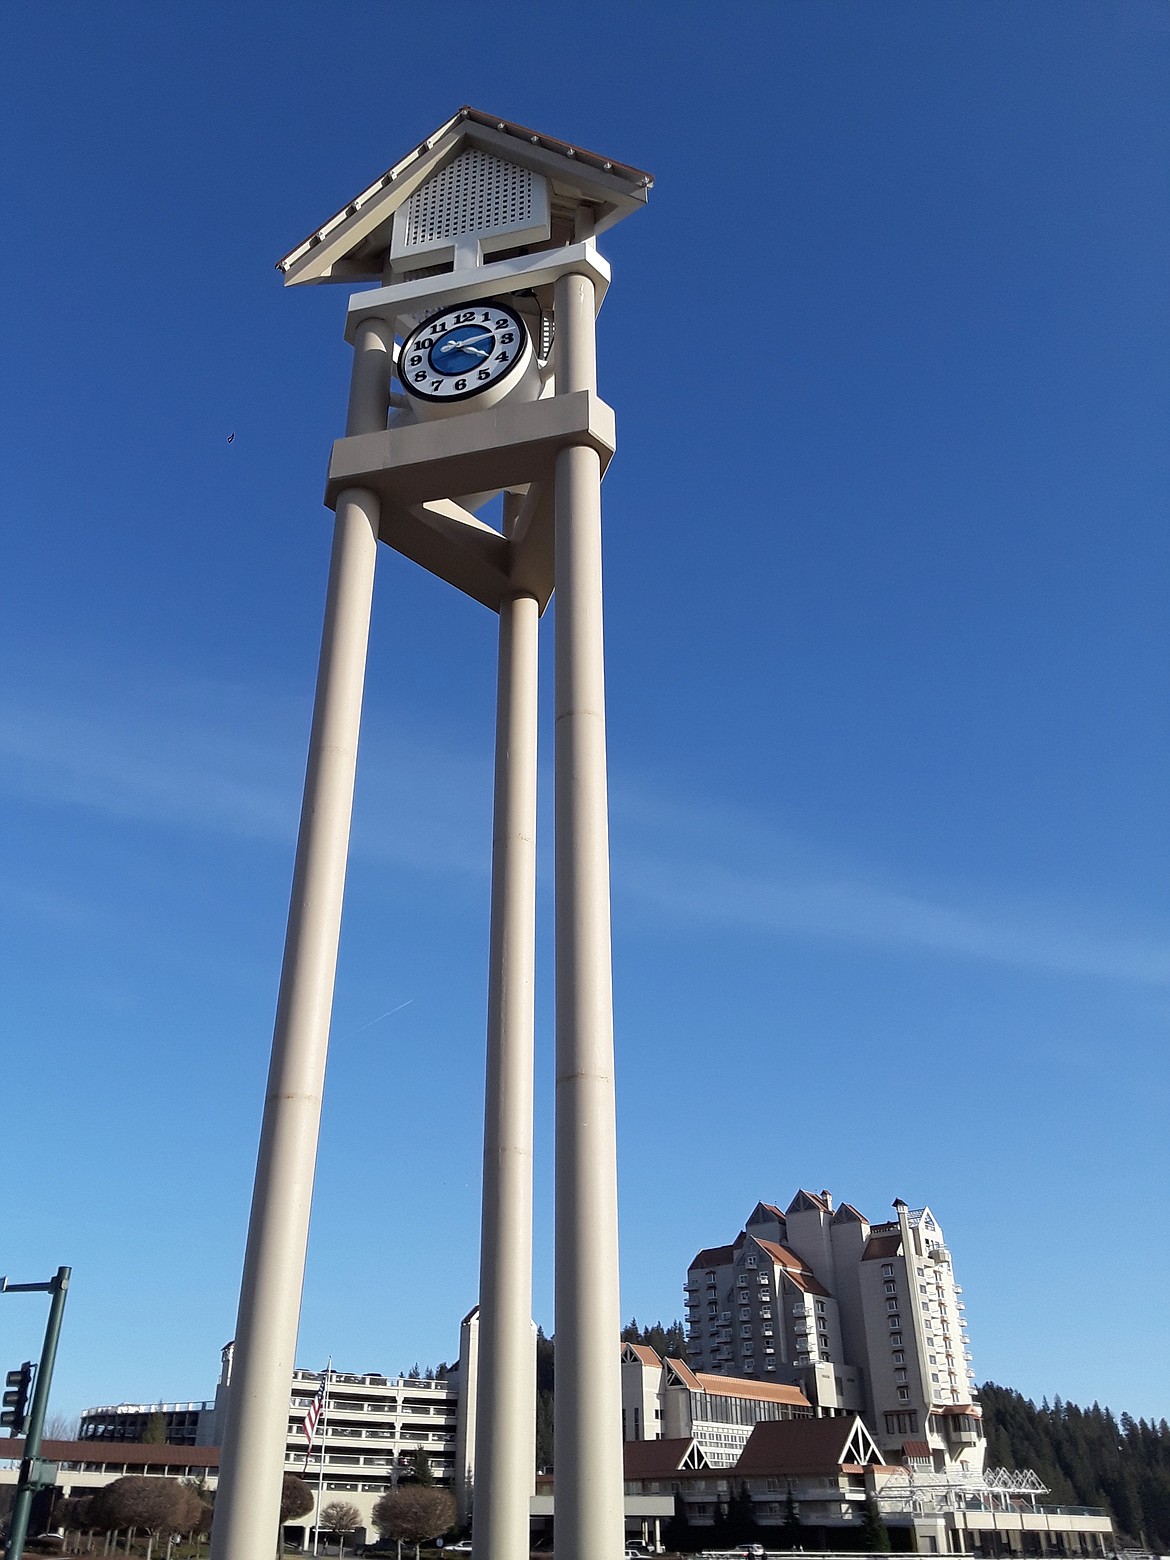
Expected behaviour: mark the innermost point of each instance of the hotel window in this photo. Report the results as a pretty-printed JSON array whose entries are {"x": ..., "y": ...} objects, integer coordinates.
[
  {"x": 896, "y": 1338},
  {"x": 903, "y": 1394},
  {"x": 934, "y": 1375},
  {"x": 899, "y": 1375},
  {"x": 749, "y": 1365},
  {"x": 750, "y": 1262},
  {"x": 899, "y": 1357},
  {"x": 744, "y": 1314},
  {"x": 895, "y": 1321},
  {"x": 745, "y": 1332},
  {"x": 891, "y": 1287},
  {"x": 891, "y": 1305},
  {"x": 820, "y": 1305},
  {"x": 748, "y": 1348},
  {"x": 887, "y": 1270}
]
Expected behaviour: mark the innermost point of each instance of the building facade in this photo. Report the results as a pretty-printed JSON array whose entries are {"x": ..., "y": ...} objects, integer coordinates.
[
  {"x": 821, "y": 1472},
  {"x": 369, "y": 1433},
  {"x": 863, "y": 1318},
  {"x": 664, "y": 1399}
]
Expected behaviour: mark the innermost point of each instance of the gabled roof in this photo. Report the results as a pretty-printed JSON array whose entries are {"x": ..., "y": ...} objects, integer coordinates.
[
  {"x": 351, "y": 246},
  {"x": 848, "y": 1214},
  {"x": 804, "y": 1201},
  {"x": 794, "y": 1268},
  {"x": 807, "y": 1446},
  {"x": 679, "y": 1373},
  {"x": 659, "y": 1459},
  {"x": 642, "y": 1352},
  {"x": 766, "y": 1208}
]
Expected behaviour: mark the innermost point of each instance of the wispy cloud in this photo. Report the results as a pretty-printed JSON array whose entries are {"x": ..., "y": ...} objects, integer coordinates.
[{"x": 226, "y": 760}]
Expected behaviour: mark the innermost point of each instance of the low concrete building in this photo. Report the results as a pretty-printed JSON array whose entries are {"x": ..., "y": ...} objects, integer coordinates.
[{"x": 829, "y": 1467}]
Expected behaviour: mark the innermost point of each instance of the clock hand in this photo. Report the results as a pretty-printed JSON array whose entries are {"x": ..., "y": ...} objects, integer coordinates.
[{"x": 456, "y": 346}]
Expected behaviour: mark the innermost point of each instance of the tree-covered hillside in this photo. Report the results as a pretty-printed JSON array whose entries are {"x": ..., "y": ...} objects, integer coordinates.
[{"x": 1087, "y": 1458}]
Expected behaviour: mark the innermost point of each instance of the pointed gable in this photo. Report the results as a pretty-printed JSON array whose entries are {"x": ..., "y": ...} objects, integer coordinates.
[
  {"x": 680, "y": 1374},
  {"x": 475, "y": 174},
  {"x": 848, "y": 1214},
  {"x": 780, "y": 1447},
  {"x": 659, "y": 1459},
  {"x": 807, "y": 1202},
  {"x": 640, "y": 1354}
]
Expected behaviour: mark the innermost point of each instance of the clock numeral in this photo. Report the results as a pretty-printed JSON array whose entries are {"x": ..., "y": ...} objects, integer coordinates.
[
  {"x": 427, "y": 341},
  {"x": 420, "y": 376},
  {"x": 484, "y": 373},
  {"x": 487, "y": 314},
  {"x": 509, "y": 335},
  {"x": 502, "y": 357},
  {"x": 438, "y": 327},
  {"x": 436, "y": 384},
  {"x": 502, "y": 324},
  {"x": 461, "y": 384},
  {"x": 462, "y": 319},
  {"x": 415, "y": 359}
]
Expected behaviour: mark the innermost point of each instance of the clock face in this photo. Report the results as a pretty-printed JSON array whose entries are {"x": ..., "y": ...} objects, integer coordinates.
[{"x": 464, "y": 351}]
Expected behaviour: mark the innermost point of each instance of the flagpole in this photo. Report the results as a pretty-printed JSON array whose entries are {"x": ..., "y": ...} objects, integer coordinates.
[{"x": 321, "y": 1463}]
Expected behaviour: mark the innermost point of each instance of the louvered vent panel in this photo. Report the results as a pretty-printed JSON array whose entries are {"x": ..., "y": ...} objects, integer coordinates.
[{"x": 477, "y": 193}]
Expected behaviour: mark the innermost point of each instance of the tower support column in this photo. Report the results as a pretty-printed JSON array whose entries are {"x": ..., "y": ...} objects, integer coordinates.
[
  {"x": 505, "y": 1449},
  {"x": 252, "y": 1467},
  {"x": 588, "y": 1437}
]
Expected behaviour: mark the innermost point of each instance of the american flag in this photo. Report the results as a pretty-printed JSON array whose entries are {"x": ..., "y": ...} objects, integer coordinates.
[{"x": 309, "y": 1422}]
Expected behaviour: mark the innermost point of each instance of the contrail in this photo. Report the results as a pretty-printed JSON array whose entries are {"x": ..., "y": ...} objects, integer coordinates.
[{"x": 388, "y": 1014}]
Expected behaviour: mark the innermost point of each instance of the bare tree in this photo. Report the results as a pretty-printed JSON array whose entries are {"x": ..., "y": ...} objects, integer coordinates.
[
  {"x": 415, "y": 1512},
  {"x": 59, "y": 1427},
  {"x": 341, "y": 1518}
]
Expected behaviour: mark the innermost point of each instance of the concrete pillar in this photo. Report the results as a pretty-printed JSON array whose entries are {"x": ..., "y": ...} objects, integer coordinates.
[
  {"x": 247, "y": 1503},
  {"x": 505, "y": 1437},
  {"x": 588, "y": 1438}
]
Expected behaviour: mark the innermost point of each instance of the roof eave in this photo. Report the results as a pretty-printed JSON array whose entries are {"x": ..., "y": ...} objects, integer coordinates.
[{"x": 616, "y": 189}]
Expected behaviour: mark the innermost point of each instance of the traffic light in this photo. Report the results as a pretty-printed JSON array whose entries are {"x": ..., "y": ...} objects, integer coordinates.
[{"x": 17, "y": 1385}]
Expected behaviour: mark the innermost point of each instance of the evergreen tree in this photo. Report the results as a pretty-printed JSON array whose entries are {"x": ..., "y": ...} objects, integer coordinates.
[
  {"x": 1086, "y": 1457},
  {"x": 422, "y": 1472},
  {"x": 792, "y": 1528},
  {"x": 874, "y": 1535}
]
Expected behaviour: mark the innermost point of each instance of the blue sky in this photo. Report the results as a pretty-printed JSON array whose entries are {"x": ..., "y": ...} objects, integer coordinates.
[{"x": 886, "y": 568}]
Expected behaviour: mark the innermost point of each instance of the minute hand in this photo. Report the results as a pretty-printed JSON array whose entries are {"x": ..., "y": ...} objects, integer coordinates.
[{"x": 455, "y": 346}]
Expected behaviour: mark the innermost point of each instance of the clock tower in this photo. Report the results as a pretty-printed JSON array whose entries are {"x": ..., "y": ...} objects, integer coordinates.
[{"x": 474, "y": 378}]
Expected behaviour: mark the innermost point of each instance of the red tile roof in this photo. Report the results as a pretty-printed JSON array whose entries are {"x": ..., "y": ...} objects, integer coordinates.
[
  {"x": 917, "y": 1451},
  {"x": 646, "y": 1354},
  {"x": 741, "y": 1387},
  {"x": 796, "y": 1270}
]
